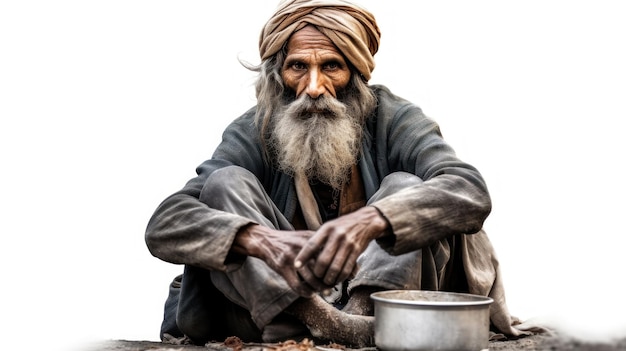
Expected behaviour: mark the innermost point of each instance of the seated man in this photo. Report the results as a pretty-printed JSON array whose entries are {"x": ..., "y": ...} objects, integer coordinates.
[{"x": 326, "y": 191}]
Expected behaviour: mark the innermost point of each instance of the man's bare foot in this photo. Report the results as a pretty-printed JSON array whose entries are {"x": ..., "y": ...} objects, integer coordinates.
[
  {"x": 328, "y": 323},
  {"x": 360, "y": 302}
]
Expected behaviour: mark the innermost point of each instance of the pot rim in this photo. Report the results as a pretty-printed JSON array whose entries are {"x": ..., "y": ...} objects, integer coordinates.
[{"x": 468, "y": 299}]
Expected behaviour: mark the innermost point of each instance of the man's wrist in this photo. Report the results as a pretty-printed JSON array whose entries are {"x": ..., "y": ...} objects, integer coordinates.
[
  {"x": 382, "y": 223},
  {"x": 244, "y": 241}
]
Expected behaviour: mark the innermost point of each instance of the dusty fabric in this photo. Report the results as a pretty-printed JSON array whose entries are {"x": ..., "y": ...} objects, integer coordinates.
[
  {"x": 482, "y": 270},
  {"x": 351, "y": 28},
  {"x": 248, "y": 301},
  {"x": 452, "y": 200},
  {"x": 209, "y": 301},
  {"x": 245, "y": 299},
  {"x": 311, "y": 213}
]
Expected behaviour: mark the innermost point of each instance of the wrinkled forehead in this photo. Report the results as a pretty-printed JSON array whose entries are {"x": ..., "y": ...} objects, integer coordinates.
[{"x": 310, "y": 38}]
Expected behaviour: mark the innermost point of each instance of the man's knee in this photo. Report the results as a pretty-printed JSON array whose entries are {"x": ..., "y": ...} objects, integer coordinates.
[{"x": 224, "y": 181}]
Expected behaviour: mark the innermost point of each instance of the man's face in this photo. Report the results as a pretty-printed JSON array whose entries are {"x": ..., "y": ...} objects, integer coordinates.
[
  {"x": 314, "y": 66},
  {"x": 317, "y": 131}
]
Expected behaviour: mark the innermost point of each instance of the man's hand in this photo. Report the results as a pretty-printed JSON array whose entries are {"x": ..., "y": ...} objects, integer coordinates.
[
  {"x": 278, "y": 250},
  {"x": 331, "y": 253}
]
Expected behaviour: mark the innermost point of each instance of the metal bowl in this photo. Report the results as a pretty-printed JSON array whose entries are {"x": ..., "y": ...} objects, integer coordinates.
[{"x": 430, "y": 320}]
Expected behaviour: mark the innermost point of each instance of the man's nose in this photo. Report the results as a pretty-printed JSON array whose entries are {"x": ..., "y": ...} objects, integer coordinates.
[{"x": 316, "y": 85}]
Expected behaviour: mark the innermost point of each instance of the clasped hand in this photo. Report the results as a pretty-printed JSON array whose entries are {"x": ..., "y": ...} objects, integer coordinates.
[{"x": 313, "y": 261}]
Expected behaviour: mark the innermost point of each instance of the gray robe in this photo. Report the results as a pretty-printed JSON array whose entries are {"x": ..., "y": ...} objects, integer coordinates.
[{"x": 440, "y": 218}]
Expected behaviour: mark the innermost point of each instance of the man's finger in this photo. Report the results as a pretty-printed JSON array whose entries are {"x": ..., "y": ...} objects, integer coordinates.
[
  {"x": 301, "y": 287},
  {"x": 333, "y": 274},
  {"x": 308, "y": 251},
  {"x": 349, "y": 268},
  {"x": 325, "y": 260},
  {"x": 306, "y": 274}
]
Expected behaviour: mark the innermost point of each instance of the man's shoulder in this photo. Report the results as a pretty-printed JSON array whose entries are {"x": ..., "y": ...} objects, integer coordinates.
[
  {"x": 389, "y": 103},
  {"x": 245, "y": 119},
  {"x": 248, "y": 114},
  {"x": 243, "y": 124}
]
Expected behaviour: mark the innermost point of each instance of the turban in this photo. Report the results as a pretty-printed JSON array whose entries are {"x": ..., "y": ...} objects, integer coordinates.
[{"x": 351, "y": 28}]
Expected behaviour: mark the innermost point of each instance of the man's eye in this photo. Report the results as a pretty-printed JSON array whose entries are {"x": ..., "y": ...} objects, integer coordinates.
[
  {"x": 331, "y": 66},
  {"x": 298, "y": 66}
]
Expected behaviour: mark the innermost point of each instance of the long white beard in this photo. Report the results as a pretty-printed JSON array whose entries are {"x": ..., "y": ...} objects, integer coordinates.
[{"x": 318, "y": 139}]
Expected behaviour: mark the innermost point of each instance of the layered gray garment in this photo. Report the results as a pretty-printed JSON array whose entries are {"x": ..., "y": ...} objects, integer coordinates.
[{"x": 431, "y": 218}]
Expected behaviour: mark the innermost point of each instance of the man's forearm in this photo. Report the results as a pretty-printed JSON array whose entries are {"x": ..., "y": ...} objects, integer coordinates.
[{"x": 184, "y": 231}]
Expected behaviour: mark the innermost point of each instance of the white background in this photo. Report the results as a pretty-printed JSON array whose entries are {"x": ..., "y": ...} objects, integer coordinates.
[{"x": 107, "y": 107}]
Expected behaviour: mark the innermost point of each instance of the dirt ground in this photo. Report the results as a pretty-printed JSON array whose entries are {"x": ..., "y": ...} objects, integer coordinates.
[{"x": 540, "y": 342}]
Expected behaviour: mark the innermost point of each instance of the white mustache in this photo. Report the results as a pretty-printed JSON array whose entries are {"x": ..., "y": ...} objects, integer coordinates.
[{"x": 325, "y": 106}]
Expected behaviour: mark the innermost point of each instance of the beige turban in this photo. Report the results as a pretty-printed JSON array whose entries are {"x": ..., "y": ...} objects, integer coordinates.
[{"x": 350, "y": 27}]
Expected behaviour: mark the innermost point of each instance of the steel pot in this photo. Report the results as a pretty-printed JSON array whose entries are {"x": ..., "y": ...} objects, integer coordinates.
[{"x": 430, "y": 320}]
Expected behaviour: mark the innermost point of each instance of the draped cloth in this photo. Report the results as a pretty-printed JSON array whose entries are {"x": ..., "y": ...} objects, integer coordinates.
[
  {"x": 311, "y": 213},
  {"x": 351, "y": 28}
]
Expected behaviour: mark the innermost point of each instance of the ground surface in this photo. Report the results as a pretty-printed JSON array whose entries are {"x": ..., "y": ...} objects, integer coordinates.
[{"x": 532, "y": 343}]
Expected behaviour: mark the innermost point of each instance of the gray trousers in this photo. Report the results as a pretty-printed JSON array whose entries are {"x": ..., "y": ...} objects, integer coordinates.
[{"x": 249, "y": 301}]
